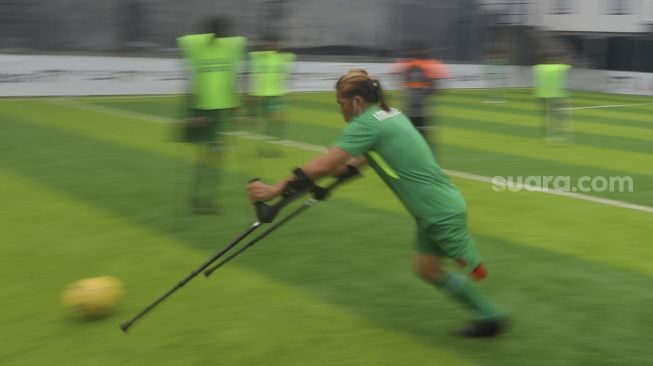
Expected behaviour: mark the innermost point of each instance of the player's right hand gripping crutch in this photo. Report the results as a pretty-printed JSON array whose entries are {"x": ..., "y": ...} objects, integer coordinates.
[
  {"x": 264, "y": 214},
  {"x": 318, "y": 194}
]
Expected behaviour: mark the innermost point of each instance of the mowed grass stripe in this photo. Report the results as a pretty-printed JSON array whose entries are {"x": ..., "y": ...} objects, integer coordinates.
[
  {"x": 364, "y": 283},
  {"x": 496, "y": 114},
  {"x": 162, "y": 197},
  {"x": 492, "y": 164},
  {"x": 172, "y": 107},
  {"x": 578, "y": 97},
  {"x": 639, "y": 185},
  {"x": 561, "y": 225},
  {"x": 607, "y": 158},
  {"x": 239, "y": 312},
  {"x": 599, "y": 117},
  {"x": 607, "y": 116},
  {"x": 516, "y": 165},
  {"x": 634, "y": 139},
  {"x": 635, "y": 188},
  {"x": 514, "y": 273},
  {"x": 619, "y": 116},
  {"x": 632, "y": 107},
  {"x": 527, "y": 166},
  {"x": 475, "y": 121},
  {"x": 536, "y": 133},
  {"x": 548, "y": 223},
  {"x": 494, "y": 119},
  {"x": 141, "y": 132},
  {"x": 626, "y": 227},
  {"x": 611, "y": 159},
  {"x": 606, "y": 98}
]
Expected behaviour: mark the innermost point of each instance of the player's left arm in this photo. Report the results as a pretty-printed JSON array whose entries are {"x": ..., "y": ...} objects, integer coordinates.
[
  {"x": 357, "y": 163},
  {"x": 324, "y": 165},
  {"x": 354, "y": 141}
]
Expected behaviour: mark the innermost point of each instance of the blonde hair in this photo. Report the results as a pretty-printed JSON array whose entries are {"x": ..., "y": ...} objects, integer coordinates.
[{"x": 357, "y": 82}]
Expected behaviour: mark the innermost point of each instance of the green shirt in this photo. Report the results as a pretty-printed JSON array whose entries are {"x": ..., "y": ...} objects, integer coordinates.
[
  {"x": 550, "y": 80},
  {"x": 270, "y": 71},
  {"x": 214, "y": 65},
  {"x": 403, "y": 159}
]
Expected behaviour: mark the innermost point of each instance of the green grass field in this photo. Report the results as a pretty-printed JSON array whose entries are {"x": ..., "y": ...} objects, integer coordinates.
[{"x": 97, "y": 186}]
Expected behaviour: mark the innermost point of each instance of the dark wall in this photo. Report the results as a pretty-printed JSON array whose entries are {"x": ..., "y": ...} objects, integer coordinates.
[
  {"x": 37, "y": 24},
  {"x": 333, "y": 26},
  {"x": 619, "y": 53},
  {"x": 452, "y": 28}
]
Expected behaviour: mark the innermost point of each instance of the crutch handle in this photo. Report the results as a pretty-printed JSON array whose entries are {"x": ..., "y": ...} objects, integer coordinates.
[
  {"x": 265, "y": 213},
  {"x": 293, "y": 189}
]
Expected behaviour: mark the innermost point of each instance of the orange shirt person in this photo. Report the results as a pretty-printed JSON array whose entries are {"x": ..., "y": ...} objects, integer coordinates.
[{"x": 420, "y": 77}]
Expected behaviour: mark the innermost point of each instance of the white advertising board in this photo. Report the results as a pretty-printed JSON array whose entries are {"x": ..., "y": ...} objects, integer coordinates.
[{"x": 36, "y": 75}]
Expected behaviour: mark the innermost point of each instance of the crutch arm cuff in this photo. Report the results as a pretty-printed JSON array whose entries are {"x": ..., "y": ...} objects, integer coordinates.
[
  {"x": 301, "y": 183},
  {"x": 351, "y": 171}
]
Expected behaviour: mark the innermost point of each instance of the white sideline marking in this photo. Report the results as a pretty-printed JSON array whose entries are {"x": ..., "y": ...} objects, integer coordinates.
[
  {"x": 248, "y": 135},
  {"x": 531, "y": 188},
  {"x": 65, "y": 102},
  {"x": 605, "y": 106},
  {"x": 321, "y": 149}
]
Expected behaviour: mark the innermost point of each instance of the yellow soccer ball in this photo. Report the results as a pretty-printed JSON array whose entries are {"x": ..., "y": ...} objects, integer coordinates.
[{"x": 92, "y": 298}]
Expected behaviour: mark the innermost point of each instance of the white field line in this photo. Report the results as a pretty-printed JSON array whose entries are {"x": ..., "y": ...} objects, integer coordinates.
[
  {"x": 65, "y": 102},
  {"x": 557, "y": 192},
  {"x": 605, "y": 106},
  {"x": 321, "y": 149}
]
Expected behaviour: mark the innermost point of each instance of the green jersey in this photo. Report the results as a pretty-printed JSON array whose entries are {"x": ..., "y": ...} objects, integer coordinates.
[
  {"x": 403, "y": 159},
  {"x": 270, "y": 71},
  {"x": 550, "y": 80},
  {"x": 214, "y": 64}
]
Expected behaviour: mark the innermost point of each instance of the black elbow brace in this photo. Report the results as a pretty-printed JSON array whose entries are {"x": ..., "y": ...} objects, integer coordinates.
[
  {"x": 351, "y": 171},
  {"x": 301, "y": 183}
]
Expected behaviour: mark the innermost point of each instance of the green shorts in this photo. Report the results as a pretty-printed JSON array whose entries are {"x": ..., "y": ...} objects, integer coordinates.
[
  {"x": 450, "y": 239},
  {"x": 217, "y": 121}
]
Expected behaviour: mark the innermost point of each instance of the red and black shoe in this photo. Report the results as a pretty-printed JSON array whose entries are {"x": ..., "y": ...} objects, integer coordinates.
[{"x": 483, "y": 328}]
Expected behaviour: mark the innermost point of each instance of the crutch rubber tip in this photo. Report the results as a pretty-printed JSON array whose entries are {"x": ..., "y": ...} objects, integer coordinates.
[{"x": 124, "y": 327}]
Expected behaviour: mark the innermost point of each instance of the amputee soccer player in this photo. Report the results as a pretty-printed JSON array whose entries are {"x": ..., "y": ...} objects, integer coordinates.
[
  {"x": 213, "y": 60},
  {"x": 385, "y": 139},
  {"x": 550, "y": 86},
  {"x": 269, "y": 74},
  {"x": 420, "y": 77}
]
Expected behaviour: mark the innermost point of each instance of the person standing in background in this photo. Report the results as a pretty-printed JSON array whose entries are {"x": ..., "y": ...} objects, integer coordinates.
[
  {"x": 420, "y": 77},
  {"x": 214, "y": 61},
  {"x": 269, "y": 74},
  {"x": 550, "y": 87}
]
